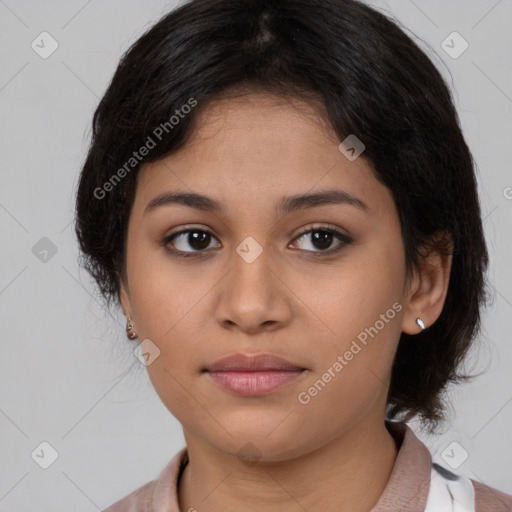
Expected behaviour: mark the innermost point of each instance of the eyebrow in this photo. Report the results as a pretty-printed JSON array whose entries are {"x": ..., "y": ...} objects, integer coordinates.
[{"x": 285, "y": 206}]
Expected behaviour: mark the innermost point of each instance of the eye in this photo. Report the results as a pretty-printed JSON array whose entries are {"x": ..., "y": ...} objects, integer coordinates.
[
  {"x": 198, "y": 239},
  {"x": 322, "y": 238}
]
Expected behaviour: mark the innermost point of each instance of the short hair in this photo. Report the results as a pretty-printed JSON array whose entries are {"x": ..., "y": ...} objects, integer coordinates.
[{"x": 371, "y": 80}]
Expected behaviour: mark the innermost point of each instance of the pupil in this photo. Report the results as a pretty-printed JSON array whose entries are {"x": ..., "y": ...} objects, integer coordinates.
[
  {"x": 198, "y": 238},
  {"x": 322, "y": 237}
]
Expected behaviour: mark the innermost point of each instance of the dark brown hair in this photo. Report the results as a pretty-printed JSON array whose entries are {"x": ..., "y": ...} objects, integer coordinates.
[{"x": 372, "y": 80}]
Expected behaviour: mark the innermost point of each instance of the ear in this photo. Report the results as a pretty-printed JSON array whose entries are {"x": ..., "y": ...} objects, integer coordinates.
[
  {"x": 124, "y": 297},
  {"x": 428, "y": 287}
]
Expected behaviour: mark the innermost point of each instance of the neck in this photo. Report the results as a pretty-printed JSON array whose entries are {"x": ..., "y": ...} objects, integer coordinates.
[{"x": 347, "y": 474}]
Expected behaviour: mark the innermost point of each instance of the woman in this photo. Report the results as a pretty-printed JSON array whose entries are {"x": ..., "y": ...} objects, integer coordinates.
[{"x": 279, "y": 196}]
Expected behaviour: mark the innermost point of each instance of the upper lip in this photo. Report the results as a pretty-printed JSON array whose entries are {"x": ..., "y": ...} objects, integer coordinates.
[{"x": 252, "y": 362}]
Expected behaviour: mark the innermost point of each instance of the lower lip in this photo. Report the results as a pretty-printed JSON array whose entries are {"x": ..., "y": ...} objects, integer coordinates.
[{"x": 254, "y": 383}]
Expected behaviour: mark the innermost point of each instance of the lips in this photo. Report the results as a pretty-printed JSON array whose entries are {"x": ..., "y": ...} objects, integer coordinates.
[
  {"x": 252, "y": 362},
  {"x": 253, "y": 375}
]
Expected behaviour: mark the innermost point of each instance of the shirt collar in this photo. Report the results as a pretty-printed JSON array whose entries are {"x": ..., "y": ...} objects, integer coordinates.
[{"x": 408, "y": 485}]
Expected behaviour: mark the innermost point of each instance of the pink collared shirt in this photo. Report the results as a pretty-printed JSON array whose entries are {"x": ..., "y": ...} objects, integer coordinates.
[{"x": 415, "y": 485}]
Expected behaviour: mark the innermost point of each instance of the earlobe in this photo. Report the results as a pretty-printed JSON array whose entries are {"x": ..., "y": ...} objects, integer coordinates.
[
  {"x": 124, "y": 297},
  {"x": 427, "y": 296}
]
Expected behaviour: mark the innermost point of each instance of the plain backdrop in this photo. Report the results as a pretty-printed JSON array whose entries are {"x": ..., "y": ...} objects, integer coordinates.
[{"x": 68, "y": 376}]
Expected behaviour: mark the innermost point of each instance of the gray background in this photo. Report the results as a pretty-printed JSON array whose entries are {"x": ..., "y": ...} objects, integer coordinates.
[{"x": 68, "y": 376}]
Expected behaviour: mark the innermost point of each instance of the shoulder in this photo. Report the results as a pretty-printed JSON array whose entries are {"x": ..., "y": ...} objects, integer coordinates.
[
  {"x": 140, "y": 500},
  {"x": 488, "y": 499}
]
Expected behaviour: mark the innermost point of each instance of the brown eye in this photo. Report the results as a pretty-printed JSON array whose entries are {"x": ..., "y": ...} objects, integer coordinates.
[
  {"x": 321, "y": 239},
  {"x": 196, "y": 239}
]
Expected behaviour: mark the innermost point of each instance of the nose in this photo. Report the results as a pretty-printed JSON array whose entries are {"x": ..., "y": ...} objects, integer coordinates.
[{"x": 254, "y": 298}]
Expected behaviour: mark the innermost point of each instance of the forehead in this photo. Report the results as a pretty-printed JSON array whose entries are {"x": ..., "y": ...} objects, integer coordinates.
[
  {"x": 258, "y": 109},
  {"x": 255, "y": 149}
]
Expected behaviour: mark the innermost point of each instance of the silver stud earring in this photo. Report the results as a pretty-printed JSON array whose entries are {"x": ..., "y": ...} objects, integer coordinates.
[
  {"x": 419, "y": 321},
  {"x": 129, "y": 332}
]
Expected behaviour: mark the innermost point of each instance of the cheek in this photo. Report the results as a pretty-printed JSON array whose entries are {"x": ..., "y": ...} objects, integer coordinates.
[
  {"x": 355, "y": 293},
  {"x": 348, "y": 396},
  {"x": 354, "y": 366},
  {"x": 163, "y": 292},
  {"x": 361, "y": 304}
]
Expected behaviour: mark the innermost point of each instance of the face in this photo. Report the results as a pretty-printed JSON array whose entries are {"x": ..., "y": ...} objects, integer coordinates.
[{"x": 320, "y": 284}]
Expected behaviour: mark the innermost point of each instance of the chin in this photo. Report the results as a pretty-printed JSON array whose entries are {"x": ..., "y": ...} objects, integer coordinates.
[
  {"x": 268, "y": 439},
  {"x": 253, "y": 451}
]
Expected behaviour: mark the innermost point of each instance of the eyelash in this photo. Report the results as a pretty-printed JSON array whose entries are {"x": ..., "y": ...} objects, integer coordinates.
[{"x": 344, "y": 239}]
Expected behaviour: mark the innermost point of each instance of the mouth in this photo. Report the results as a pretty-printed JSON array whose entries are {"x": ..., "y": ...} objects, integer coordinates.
[{"x": 253, "y": 375}]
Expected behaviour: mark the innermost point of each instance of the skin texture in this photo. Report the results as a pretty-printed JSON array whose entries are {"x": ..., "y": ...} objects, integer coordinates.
[{"x": 333, "y": 453}]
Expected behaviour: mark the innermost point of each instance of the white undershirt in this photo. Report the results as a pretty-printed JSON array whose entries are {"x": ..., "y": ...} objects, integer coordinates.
[{"x": 449, "y": 492}]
